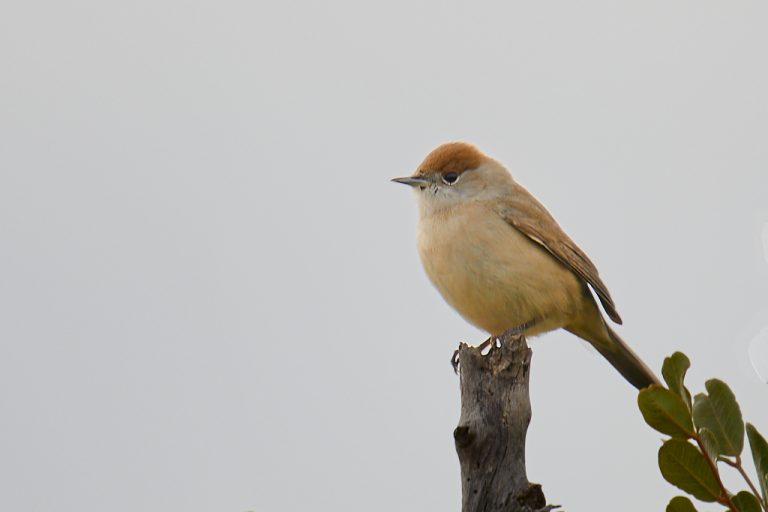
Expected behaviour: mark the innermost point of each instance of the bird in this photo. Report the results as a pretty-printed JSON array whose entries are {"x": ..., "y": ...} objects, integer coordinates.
[{"x": 500, "y": 259}]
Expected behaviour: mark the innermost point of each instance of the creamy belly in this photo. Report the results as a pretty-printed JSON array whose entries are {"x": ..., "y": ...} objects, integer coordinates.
[{"x": 493, "y": 275}]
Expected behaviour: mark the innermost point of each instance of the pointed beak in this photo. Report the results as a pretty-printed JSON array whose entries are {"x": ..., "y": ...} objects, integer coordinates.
[{"x": 413, "y": 181}]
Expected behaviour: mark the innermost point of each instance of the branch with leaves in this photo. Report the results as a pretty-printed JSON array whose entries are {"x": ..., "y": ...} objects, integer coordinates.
[{"x": 704, "y": 432}]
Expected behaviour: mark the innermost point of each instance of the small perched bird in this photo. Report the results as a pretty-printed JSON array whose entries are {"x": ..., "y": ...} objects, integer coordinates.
[{"x": 500, "y": 259}]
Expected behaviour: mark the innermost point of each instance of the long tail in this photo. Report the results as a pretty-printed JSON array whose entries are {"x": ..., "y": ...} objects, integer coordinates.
[
  {"x": 616, "y": 351},
  {"x": 626, "y": 361}
]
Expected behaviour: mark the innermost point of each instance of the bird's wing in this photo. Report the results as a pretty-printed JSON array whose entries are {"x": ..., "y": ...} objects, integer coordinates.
[{"x": 523, "y": 212}]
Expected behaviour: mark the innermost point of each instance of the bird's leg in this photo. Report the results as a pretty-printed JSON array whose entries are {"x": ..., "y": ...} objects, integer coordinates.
[{"x": 516, "y": 330}]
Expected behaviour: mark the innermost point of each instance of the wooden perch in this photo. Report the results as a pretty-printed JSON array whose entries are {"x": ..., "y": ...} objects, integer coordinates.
[{"x": 490, "y": 437}]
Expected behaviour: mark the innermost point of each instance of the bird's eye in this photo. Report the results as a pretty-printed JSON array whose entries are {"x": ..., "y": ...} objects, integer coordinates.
[{"x": 450, "y": 178}]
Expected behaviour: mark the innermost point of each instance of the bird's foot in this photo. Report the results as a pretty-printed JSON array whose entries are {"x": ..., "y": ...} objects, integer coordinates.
[
  {"x": 455, "y": 357},
  {"x": 484, "y": 345}
]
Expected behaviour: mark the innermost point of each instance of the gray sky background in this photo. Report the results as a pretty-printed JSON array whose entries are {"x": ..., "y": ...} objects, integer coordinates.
[{"x": 210, "y": 295}]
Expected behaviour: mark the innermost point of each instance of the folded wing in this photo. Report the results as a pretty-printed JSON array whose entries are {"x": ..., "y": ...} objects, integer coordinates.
[{"x": 523, "y": 212}]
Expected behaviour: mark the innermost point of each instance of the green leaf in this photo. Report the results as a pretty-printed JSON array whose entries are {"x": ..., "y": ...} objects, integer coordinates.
[
  {"x": 709, "y": 441},
  {"x": 746, "y": 502},
  {"x": 665, "y": 411},
  {"x": 684, "y": 466},
  {"x": 673, "y": 370},
  {"x": 759, "y": 447},
  {"x": 720, "y": 413},
  {"x": 680, "y": 504}
]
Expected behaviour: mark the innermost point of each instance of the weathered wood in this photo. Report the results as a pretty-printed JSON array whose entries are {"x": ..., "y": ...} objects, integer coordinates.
[{"x": 490, "y": 437}]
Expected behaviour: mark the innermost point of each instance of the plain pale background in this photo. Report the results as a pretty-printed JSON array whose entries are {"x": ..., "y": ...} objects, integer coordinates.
[{"x": 210, "y": 298}]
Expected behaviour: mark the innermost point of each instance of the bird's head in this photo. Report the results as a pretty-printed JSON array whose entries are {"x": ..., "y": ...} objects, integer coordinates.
[{"x": 456, "y": 172}]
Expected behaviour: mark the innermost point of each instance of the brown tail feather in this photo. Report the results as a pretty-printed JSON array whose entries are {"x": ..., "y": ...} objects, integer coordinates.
[
  {"x": 610, "y": 345},
  {"x": 626, "y": 361}
]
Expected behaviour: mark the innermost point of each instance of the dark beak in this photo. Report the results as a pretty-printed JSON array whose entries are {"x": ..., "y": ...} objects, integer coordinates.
[{"x": 412, "y": 181}]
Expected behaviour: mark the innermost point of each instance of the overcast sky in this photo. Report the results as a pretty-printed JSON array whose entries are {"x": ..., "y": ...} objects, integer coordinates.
[{"x": 210, "y": 297}]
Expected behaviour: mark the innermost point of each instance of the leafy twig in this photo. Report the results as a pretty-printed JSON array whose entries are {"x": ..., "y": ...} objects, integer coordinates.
[
  {"x": 738, "y": 466},
  {"x": 725, "y": 496}
]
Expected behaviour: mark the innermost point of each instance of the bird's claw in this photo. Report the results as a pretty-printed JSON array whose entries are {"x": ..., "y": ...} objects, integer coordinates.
[{"x": 455, "y": 361}]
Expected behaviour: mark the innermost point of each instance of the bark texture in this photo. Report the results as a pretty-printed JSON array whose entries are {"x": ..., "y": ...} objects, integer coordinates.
[{"x": 490, "y": 437}]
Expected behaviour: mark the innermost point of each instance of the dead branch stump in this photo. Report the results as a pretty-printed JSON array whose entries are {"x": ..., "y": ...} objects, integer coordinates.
[{"x": 490, "y": 437}]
